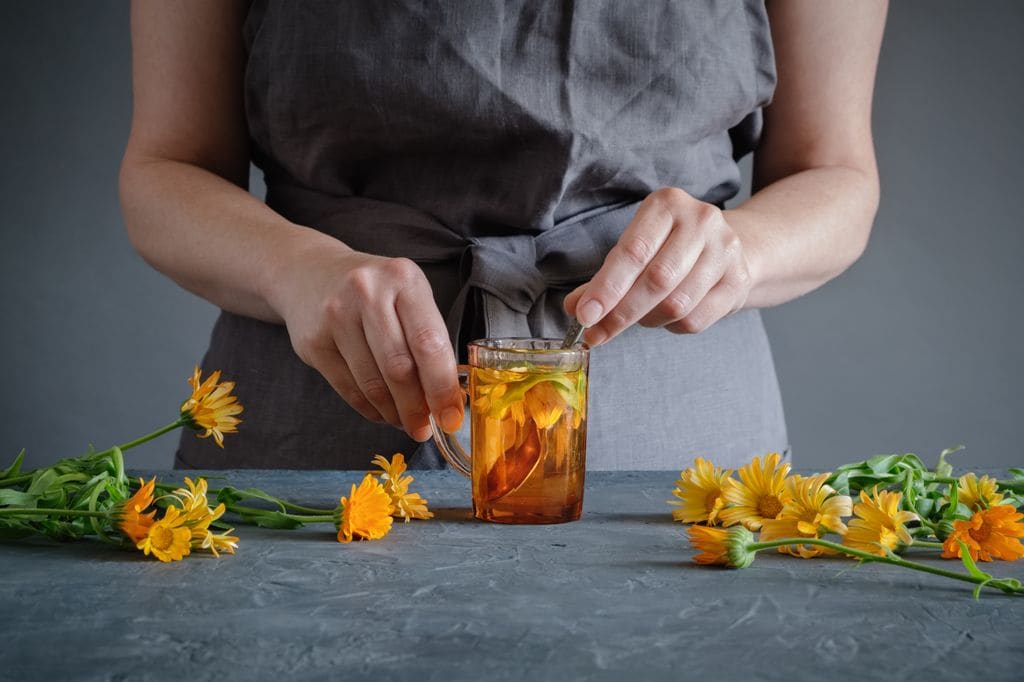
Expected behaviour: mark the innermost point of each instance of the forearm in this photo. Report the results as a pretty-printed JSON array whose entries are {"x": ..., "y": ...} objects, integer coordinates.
[
  {"x": 209, "y": 235},
  {"x": 804, "y": 229}
]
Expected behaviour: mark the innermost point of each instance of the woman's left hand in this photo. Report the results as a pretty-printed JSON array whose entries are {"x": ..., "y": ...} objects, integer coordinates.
[{"x": 678, "y": 265}]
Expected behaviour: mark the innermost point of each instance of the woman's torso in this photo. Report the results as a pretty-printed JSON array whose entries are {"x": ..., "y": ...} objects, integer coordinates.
[{"x": 500, "y": 143}]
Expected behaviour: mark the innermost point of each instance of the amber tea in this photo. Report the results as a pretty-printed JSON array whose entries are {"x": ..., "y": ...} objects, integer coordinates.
[{"x": 528, "y": 424}]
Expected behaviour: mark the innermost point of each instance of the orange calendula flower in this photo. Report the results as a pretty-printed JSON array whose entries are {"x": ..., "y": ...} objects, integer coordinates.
[
  {"x": 993, "y": 532},
  {"x": 879, "y": 526},
  {"x": 813, "y": 508},
  {"x": 722, "y": 546},
  {"x": 168, "y": 539},
  {"x": 978, "y": 493},
  {"x": 131, "y": 520},
  {"x": 405, "y": 505},
  {"x": 700, "y": 490},
  {"x": 366, "y": 513},
  {"x": 211, "y": 407},
  {"x": 760, "y": 493}
]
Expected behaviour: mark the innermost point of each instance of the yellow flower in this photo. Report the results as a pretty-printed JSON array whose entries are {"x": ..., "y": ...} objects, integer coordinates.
[
  {"x": 131, "y": 519},
  {"x": 813, "y": 508},
  {"x": 978, "y": 493},
  {"x": 759, "y": 494},
  {"x": 879, "y": 523},
  {"x": 219, "y": 542},
  {"x": 366, "y": 513},
  {"x": 168, "y": 539},
  {"x": 545, "y": 404},
  {"x": 211, "y": 407},
  {"x": 990, "y": 533},
  {"x": 700, "y": 491},
  {"x": 197, "y": 512},
  {"x": 721, "y": 546},
  {"x": 405, "y": 504}
]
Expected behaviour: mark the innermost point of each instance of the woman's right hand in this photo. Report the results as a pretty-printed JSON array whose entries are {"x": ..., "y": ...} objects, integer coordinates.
[{"x": 370, "y": 326}]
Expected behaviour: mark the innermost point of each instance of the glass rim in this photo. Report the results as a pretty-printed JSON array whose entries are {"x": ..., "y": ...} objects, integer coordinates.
[{"x": 493, "y": 344}]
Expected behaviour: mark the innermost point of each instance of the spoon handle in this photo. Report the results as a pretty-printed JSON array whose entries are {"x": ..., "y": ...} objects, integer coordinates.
[{"x": 573, "y": 334}]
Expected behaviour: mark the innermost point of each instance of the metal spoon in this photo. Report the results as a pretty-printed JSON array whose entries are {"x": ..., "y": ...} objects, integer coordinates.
[{"x": 573, "y": 334}]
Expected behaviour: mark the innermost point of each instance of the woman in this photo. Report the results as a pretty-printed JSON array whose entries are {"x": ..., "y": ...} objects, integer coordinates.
[{"x": 442, "y": 172}]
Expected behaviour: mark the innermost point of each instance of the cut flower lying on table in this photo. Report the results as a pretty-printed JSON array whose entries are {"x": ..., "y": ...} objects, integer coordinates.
[
  {"x": 91, "y": 495},
  {"x": 900, "y": 503}
]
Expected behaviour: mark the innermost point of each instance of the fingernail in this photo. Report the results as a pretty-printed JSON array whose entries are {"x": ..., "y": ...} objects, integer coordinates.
[
  {"x": 451, "y": 419},
  {"x": 589, "y": 313}
]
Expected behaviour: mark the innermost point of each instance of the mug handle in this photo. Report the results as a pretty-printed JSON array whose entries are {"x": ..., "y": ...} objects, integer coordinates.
[{"x": 447, "y": 443}]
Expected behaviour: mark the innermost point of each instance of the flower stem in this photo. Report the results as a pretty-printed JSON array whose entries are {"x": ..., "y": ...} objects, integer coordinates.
[
  {"x": 213, "y": 492},
  {"x": 148, "y": 437},
  {"x": 925, "y": 543},
  {"x": 304, "y": 518},
  {"x": 865, "y": 556},
  {"x": 29, "y": 511}
]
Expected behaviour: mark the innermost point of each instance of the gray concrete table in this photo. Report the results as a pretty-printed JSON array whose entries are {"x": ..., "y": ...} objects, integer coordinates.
[{"x": 612, "y": 596}]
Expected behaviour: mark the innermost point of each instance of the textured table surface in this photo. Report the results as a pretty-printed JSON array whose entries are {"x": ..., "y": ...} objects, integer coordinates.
[{"x": 612, "y": 596}]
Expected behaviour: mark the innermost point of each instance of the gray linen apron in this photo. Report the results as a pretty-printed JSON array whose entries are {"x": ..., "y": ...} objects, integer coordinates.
[{"x": 503, "y": 146}]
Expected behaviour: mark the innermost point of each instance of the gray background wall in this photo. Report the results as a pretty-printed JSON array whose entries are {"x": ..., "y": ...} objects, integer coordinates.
[{"x": 917, "y": 347}]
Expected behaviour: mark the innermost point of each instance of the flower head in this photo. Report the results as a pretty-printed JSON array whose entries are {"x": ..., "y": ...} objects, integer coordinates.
[
  {"x": 168, "y": 539},
  {"x": 197, "y": 512},
  {"x": 405, "y": 505},
  {"x": 721, "y": 546},
  {"x": 992, "y": 532},
  {"x": 879, "y": 526},
  {"x": 219, "y": 542},
  {"x": 813, "y": 509},
  {"x": 366, "y": 513},
  {"x": 760, "y": 493},
  {"x": 700, "y": 491},
  {"x": 131, "y": 519},
  {"x": 978, "y": 493},
  {"x": 211, "y": 407}
]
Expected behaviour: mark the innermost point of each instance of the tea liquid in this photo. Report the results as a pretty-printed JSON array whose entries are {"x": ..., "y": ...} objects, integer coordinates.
[{"x": 529, "y": 443}]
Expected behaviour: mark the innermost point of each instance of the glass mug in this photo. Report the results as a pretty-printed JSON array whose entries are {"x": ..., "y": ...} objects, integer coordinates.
[{"x": 528, "y": 430}]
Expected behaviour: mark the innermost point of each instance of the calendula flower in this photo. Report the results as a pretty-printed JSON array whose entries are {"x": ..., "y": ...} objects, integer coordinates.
[
  {"x": 544, "y": 404},
  {"x": 813, "y": 509},
  {"x": 700, "y": 491},
  {"x": 168, "y": 539},
  {"x": 211, "y": 407},
  {"x": 197, "y": 512},
  {"x": 366, "y": 513},
  {"x": 879, "y": 526},
  {"x": 989, "y": 533},
  {"x": 219, "y": 542},
  {"x": 978, "y": 493},
  {"x": 131, "y": 519},
  {"x": 760, "y": 493},
  {"x": 405, "y": 504},
  {"x": 722, "y": 546}
]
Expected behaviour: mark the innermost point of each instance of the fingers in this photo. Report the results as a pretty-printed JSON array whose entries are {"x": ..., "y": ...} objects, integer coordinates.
[
  {"x": 674, "y": 254},
  {"x": 427, "y": 336},
  {"x": 334, "y": 368},
  {"x": 625, "y": 262}
]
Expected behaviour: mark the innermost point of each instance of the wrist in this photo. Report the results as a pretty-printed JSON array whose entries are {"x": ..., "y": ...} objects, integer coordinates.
[
  {"x": 294, "y": 250},
  {"x": 753, "y": 252}
]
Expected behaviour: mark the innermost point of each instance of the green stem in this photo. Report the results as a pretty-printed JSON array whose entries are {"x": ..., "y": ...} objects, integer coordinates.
[
  {"x": 179, "y": 422},
  {"x": 213, "y": 492},
  {"x": 14, "y": 480},
  {"x": 255, "y": 511},
  {"x": 925, "y": 543},
  {"x": 29, "y": 511},
  {"x": 865, "y": 556}
]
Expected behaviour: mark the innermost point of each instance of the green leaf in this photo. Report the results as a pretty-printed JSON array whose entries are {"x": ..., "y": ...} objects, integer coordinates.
[
  {"x": 271, "y": 519},
  {"x": 15, "y": 498},
  {"x": 944, "y": 468},
  {"x": 229, "y": 495},
  {"x": 15, "y": 468},
  {"x": 972, "y": 568}
]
